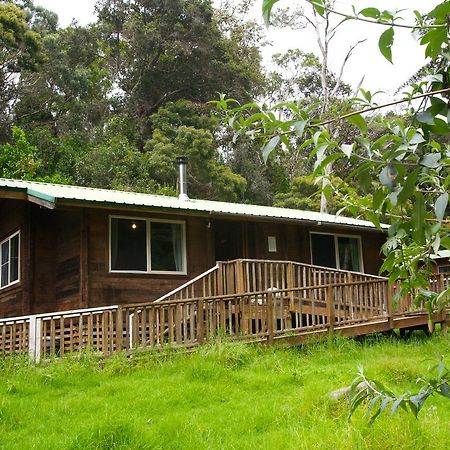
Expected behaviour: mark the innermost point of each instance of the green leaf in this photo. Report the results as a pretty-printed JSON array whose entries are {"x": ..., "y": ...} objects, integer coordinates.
[
  {"x": 388, "y": 176},
  {"x": 269, "y": 147},
  {"x": 300, "y": 127},
  {"x": 441, "y": 11},
  {"x": 434, "y": 40},
  {"x": 438, "y": 106},
  {"x": 267, "y": 6},
  {"x": 373, "y": 13},
  {"x": 418, "y": 218},
  {"x": 419, "y": 16},
  {"x": 440, "y": 126},
  {"x": 347, "y": 149},
  {"x": 319, "y": 6},
  {"x": 444, "y": 390},
  {"x": 385, "y": 43},
  {"x": 396, "y": 405},
  {"x": 425, "y": 117},
  {"x": 325, "y": 161},
  {"x": 431, "y": 160},
  {"x": 378, "y": 199},
  {"x": 441, "y": 205},
  {"x": 417, "y": 138},
  {"x": 408, "y": 187},
  {"x": 359, "y": 121}
]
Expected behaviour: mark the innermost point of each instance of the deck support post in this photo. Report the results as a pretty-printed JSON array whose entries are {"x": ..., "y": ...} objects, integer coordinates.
[
  {"x": 290, "y": 284},
  {"x": 330, "y": 308},
  {"x": 270, "y": 319},
  {"x": 220, "y": 269},
  {"x": 390, "y": 306},
  {"x": 239, "y": 274},
  {"x": 200, "y": 322},
  {"x": 119, "y": 328},
  {"x": 34, "y": 339}
]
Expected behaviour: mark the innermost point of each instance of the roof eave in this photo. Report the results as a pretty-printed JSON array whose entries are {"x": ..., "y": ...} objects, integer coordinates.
[{"x": 216, "y": 214}]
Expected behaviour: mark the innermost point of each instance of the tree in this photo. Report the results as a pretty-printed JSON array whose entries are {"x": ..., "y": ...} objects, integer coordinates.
[
  {"x": 297, "y": 76},
  {"x": 182, "y": 54},
  {"x": 406, "y": 168},
  {"x": 21, "y": 49},
  {"x": 19, "y": 159}
]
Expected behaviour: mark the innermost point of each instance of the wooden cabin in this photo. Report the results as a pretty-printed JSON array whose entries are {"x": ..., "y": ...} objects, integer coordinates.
[
  {"x": 442, "y": 262},
  {"x": 68, "y": 247}
]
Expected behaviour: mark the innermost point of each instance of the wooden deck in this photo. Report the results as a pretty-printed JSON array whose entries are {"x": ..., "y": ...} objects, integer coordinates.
[{"x": 254, "y": 301}]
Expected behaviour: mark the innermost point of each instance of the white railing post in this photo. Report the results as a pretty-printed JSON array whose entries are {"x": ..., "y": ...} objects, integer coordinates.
[
  {"x": 34, "y": 338},
  {"x": 131, "y": 331}
]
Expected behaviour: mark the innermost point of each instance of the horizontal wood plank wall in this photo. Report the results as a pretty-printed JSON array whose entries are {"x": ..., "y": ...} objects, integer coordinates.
[
  {"x": 56, "y": 260},
  {"x": 13, "y": 217}
]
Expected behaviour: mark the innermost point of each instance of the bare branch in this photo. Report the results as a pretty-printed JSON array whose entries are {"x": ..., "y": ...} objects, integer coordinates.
[{"x": 341, "y": 71}]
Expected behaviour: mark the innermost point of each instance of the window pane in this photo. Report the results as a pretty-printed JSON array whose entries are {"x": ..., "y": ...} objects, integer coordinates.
[
  {"x": 128, "y": 245},
  {"x": 5, "y": 252},
  {"x": 14, "y": 261},
  {"x": 4, "y": 271},
  {"x": 4, "y": 275},
  {"x": 167, "y": 247},
  {"x": 323, "y": 251},
  {"x": 349, "y": 254}
]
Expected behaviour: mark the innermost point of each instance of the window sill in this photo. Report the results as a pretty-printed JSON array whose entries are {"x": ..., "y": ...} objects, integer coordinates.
[
  {"x": 11, "y": 286},
  {"x": 143, "y": 274}
]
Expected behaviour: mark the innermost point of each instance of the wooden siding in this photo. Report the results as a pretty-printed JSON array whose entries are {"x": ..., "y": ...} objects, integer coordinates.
[
  {"x": 107, "y": 288},
  {"x": 56, "y": 260},
  {"x": 13, "y": 299},
  {"x": 293, "y": 242}
]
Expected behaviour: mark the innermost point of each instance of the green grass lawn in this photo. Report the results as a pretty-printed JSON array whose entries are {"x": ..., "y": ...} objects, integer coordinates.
[{"x": 221, "y": 396}]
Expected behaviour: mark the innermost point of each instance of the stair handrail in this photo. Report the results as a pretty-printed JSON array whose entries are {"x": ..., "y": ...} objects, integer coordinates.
[{"x": 187, "y": 284}]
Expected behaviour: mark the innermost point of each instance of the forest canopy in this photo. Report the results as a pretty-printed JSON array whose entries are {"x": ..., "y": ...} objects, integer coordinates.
[{"x": 111, "y": 104}]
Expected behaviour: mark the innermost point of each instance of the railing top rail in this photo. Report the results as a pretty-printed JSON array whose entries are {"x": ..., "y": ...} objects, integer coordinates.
[
  {"x": 73, "y": 313},
  {"x": 76, "y": 312},
  {"x": 274, "y": 291},
  {"x": 12, "y": 320},
  {"x": 188, "y": 283}
]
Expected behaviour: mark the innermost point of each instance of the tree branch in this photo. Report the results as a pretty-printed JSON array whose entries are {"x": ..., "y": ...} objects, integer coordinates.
[
  {"x": 341, "y": 71},
  {"x": 375, "y": 22},
  {"x": 385, "y": 105}
]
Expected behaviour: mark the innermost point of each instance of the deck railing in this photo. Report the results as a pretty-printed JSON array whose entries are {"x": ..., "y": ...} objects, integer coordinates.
[
  {"x": 262, "y": 315},
  {"x": 205, "y": 284},
  {"x": 249, "y": 275},
  {"x": 273, "y": 300},
  {"x": 438, "y": 282}
]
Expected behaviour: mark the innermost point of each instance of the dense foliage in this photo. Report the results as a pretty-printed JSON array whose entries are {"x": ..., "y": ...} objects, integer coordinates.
[{"x": 112, "y": 103}]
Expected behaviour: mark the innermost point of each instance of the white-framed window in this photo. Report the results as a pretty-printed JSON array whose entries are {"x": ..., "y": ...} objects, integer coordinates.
[
  {"x": 10, "y": 260},
  {"x": 139, "y": 245},
  {"x": 444, "y": 269},
  {"x": 339, "y": 251}
]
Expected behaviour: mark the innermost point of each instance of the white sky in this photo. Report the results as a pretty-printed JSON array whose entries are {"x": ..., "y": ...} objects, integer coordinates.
[{"x": 379, "y": 74}]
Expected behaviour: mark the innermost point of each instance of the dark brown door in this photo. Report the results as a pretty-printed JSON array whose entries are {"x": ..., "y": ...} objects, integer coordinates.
[{"x": 228, "y": 240}]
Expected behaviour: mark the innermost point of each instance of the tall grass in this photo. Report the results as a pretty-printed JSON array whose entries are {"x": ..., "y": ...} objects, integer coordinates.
[{"x": 220, "y": 396}]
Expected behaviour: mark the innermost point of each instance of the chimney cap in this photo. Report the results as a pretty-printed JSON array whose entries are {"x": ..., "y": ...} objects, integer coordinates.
[{"x": 182, "y": 159}]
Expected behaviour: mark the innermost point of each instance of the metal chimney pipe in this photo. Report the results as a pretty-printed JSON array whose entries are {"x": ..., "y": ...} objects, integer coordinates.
[{"x": 182, "y": 164}]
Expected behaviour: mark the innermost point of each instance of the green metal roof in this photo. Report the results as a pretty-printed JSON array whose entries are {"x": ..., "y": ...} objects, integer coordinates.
[{"x": 58, "y": 194}]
